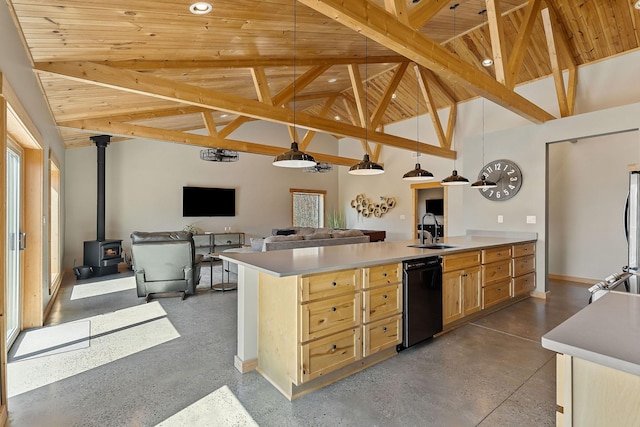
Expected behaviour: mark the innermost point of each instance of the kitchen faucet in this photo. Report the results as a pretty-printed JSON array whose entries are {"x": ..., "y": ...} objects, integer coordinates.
[{"x": 434, "y": 238}]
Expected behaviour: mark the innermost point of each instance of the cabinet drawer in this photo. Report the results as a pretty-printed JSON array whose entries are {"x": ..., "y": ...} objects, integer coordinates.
[
  {"x": 500, "y": 253},
  {"x": 524, "y": 284},
  {"x": 381, "y": 275},
  {"x": 496, "y": 271},
  {"x": 321, "y": 318},
  {"x": 524, "y": 249},
  {"x": 316, "y": 286},
  {"x": 327, "y": 354},
  {"x": 460, "y": 261},
  {"x": 382, "y": 334},
  {"x": 524, "y": 265},
  {"x": 495, "y": 293},
  {"x": 381, "y": 302}
]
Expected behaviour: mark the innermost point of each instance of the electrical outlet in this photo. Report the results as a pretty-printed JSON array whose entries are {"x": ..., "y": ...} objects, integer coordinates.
[
  {"x": 402, "y": 217},
  {"x": 531, "y": 219},
  {"x": 500, "y": 219}
]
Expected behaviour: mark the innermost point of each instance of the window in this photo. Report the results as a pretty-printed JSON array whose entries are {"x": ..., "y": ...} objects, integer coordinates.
[
  {"x": 55, "y": 261},
  {"x": 307, "y": 208}
]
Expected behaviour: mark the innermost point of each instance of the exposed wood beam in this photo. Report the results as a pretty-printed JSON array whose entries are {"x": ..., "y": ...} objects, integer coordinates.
[
  {"x": 497, "y": 39},
  {"x": 378, "y": 113},
  {"x": 249, "y": 63},
  {"x": 137, "y": 131},
  {"x": 380, "y": 26},
  {"x": 209, "y": 123},
  {"x": 232, "y": 126},
  {"x": 553, "y": 45},
  {"x": 522, "y": 42},
  {"x": 352, "y": 112},
  {"x": 436, "y": 82},
  {"x": 426, "y": 10},
  {"x": 150, "y": 114},
  {"x": 142, "y": 83},
  {"x": 398, "y": 8},
  {"x": 311, "y": 133},
  {"x": 261, "y": 84},
  {"x": 359, "y": 94},
  {"x": 431, "y": 107},
  {"x": 375, "y": 157},
  {"x": 298, "y": 84}
]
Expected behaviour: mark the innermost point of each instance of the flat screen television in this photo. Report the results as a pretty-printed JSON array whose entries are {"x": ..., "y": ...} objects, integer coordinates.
[
  {"x": 207, "y": 201},
  {"x": 435, "y": 206}
]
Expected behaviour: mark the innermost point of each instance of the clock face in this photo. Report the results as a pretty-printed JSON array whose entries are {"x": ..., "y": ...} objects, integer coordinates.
[{"x": 506, "y": 175}]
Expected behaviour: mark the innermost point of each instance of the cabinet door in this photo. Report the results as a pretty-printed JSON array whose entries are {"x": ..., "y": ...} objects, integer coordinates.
[
  {"x": 324, "y": 317},
  {"x": 316, "y": 286},
  {"x": 382, "y": 334},
  {"x": 451, "y": 296},
  {"x": 381, "y": 275},
  {"x": 382, "y": 302},
  {"x": 472, "y": 291},
  {"x": 524, "y": 265},
  {"x": 319, "y": 357},
  {"x": 496, "y": 293}
]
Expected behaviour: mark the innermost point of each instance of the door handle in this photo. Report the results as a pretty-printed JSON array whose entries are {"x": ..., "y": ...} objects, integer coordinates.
[{"x": 22, "y": 240}]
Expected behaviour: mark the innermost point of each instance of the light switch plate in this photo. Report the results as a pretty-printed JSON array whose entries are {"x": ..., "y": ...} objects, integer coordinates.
[
  {"x": 500, "y": 219},
  {"x": 531, "y": 219}
]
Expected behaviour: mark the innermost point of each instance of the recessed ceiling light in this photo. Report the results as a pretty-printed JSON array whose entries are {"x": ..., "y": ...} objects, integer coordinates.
[
  {"x": 337, "y": 117},
  {"x": 394, "y": 96},
  {"x": 333, "y": 79},
  {"x": 637, "y": 5},
  {"x": 224, "y": 115},
  {"x": 488, "y": 62},
  {"x": 200, "y": 8}
]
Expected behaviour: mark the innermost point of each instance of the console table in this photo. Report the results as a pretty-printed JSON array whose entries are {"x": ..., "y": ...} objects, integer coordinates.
[{"x": 211, "y": 244}]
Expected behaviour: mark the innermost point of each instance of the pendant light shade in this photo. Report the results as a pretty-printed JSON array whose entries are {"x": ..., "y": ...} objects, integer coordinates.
[
  {"x": 294, "y": 158},
  {"x": 366, "y": 167},
  {"x": 455, "y": 179},
  {"x": 417, "y": 174},
  {"x": 483, "y": 183}
]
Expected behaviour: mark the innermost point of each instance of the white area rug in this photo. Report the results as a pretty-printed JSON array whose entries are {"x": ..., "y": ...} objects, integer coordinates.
[
  {"x": 93, "y": 289},
  {"x": 53, "y": 339},
  {"x": 220, "y": 408},
  {"x": 113, "y": 336}
]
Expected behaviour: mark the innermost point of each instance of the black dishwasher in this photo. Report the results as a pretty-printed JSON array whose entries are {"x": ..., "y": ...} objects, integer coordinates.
[{"x": 422, "y": 298}]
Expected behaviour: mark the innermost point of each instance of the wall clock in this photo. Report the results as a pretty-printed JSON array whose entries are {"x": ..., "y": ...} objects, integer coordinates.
[{"x": 507, "y": 176}]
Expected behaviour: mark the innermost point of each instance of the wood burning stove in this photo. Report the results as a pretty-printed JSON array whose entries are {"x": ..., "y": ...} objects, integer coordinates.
[{"x": 102, "y": 254}]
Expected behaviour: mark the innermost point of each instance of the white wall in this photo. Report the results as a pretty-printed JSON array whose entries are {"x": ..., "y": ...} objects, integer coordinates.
[
  {"x": 588, "y": 186},
  {"x": 145, "y": 180}
]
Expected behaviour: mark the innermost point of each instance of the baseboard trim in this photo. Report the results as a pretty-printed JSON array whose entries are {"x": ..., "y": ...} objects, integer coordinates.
[
  {"x": 573, "y": 279},
  {"x": 245, "y": 366},
  {"x": 541, "y": 295}
]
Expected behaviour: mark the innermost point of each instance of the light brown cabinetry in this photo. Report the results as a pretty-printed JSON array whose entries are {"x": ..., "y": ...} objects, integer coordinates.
[
  {"x": 496, "y": 275},
  {"x": 316, "y": 328},
  {"x": 461, "y": 286},
  {"x": 523, "y": 268},
  {"x": 382, "y": 307}
]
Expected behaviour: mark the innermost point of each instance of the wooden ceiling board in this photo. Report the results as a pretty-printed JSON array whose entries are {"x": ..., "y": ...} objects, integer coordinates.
[{"x": 250, "y": 32}]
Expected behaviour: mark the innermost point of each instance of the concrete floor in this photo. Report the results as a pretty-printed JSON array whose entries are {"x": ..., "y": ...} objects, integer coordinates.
[{"x": 490, "y": 373}]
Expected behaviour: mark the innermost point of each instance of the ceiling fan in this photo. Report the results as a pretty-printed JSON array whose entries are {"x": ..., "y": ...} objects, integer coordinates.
[
  {"x": 219, "y": 155},
  {"x": 319, "y": 167}
]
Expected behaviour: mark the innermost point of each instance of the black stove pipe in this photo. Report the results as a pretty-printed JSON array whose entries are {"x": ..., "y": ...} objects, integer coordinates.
[{"x": 101, "y": 142}]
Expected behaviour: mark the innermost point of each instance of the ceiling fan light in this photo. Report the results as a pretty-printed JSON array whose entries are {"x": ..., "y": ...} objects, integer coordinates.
[
  {"x": 455, "y": 179},
  {"x": 366, "y": 167},
  {"x": 294, "y": 158},
  {"x": 483, "y": 183},
  {"x": 417, "y": 174}
]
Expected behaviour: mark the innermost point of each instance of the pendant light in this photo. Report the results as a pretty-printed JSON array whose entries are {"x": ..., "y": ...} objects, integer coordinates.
[
  {"x": 417, "y": 173},
  {"x": 454, "y": 178},
  {"x": 294, "y": 158},
  {"x": 366, "y": 166},
  {"x": 482, "y": 182}
]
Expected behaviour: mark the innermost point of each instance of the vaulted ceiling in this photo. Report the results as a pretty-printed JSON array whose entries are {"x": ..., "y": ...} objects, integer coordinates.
[{"x": 152, "y": 69}]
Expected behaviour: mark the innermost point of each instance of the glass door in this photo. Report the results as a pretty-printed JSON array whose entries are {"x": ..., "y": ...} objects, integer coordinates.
[{"x": 13, "y": 267}]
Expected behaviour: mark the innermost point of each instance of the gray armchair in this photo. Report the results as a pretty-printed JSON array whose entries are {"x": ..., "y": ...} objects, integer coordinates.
[{"x": 165, "y": 262}]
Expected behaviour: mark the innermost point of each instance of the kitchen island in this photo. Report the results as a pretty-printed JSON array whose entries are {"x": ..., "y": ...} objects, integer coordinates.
[
  {"x": 598, "y": 363},
  {"x": 309, "y": 316}
]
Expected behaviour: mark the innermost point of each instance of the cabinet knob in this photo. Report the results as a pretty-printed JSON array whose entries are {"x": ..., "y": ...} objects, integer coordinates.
[
  {"x": 384, "y": 329},
  {"x": 333, "y": 347},
  {"x": 333, "y": 309},
  {"x": 334, "y": 284},
  {"x": 384, "y": 296}
]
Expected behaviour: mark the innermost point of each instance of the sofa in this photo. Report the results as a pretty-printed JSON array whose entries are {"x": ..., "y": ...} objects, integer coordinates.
[
  {"x": 307, "y": 237},
  {"x": 165, "y": 262}
]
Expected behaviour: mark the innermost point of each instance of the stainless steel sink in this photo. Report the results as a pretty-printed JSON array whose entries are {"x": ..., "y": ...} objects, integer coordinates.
[{"x": 431, "y": 246}]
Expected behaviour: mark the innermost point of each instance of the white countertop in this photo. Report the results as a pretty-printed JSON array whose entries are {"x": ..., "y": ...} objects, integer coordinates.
[
  {"x": 291, "y": 262},
  {"x": 606, "y": 332}
]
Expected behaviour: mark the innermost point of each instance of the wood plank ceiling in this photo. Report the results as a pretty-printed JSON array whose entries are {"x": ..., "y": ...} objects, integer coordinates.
[{"x": 152, "y": 69}]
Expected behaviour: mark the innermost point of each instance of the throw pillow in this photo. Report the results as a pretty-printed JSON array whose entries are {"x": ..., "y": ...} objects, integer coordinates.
[
  {"x": 256, "y": 243},
  {"x": 316, "y": 236},
  {"x": 284, "y": 232}
]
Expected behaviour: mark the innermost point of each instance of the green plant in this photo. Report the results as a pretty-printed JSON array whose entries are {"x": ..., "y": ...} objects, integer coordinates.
[{"x": 336, "y": 219}]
